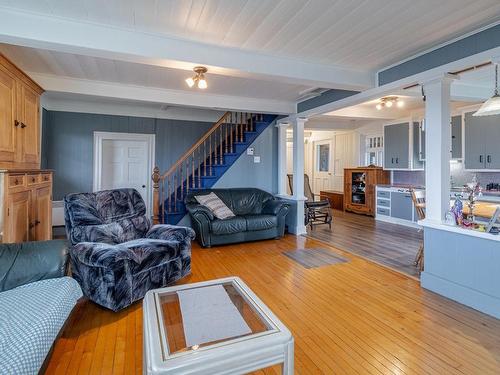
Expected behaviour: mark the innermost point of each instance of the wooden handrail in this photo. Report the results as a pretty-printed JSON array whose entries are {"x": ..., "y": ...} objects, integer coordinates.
[{"x": 195, "y": 146}]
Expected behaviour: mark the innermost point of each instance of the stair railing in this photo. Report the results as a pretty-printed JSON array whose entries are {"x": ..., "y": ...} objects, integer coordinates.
[{"x": 170, "y": 188}]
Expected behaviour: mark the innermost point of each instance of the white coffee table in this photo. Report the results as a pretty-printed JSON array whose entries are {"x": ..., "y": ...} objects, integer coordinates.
[{"x": 214, "y": 327}]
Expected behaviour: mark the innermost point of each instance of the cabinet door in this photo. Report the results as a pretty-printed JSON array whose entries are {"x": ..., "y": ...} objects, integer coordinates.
[
  {"x": 30, "y": 126},
  {"x": 456, "y": 137},
  {"x": 17, "y": 222},
  {"x": 474, "y": 142},
  {"x": 42, "y": 214},
  {"x": 396, "y": 146},
  {"x": 491, "y": 131},
  {"x": 401, "y": 206},
  {"x": 417, "y": 159},
  {"x": 7, "y": 116}
]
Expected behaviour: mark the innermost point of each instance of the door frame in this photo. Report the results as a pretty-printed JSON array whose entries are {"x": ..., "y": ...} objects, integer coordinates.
[{"x": 99, "y": 137}]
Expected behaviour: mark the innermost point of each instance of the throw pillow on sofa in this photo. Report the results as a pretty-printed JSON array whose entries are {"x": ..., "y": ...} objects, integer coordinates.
[{"x": 216, "y": 205}]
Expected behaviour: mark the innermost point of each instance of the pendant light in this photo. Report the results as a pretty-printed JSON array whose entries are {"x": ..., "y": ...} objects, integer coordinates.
[{"x": 492, "y": 105}]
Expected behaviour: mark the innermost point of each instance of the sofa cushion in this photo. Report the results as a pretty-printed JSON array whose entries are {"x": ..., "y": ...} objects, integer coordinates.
[
  {"x": 27, "y": 333},
  {"x": 228, "y": 226},
  {"x": 260, "y": 222},
  {"x": 216, "y": 205}
]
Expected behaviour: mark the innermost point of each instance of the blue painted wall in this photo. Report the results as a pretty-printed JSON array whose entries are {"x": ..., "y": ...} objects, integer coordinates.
[
  {"x": 327, "y": 97},
  {"x": 264, "y": 175},
  {"x": 471, "y": 45},
  {"x": 67, "y": 143}
]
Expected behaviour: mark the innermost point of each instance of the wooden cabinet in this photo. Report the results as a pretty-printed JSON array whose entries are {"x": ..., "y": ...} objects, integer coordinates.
[
  {"x": 359, "y": 188},
  {"x": 26, "y": 213},
  {"x": 19, "y": 118}
]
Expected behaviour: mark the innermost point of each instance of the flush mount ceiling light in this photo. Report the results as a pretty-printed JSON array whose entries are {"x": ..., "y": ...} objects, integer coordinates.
[
  {"x": 492, "y": 105},
  {"x": 199, "y": 78},
  {"x": 389, "y": 101}
]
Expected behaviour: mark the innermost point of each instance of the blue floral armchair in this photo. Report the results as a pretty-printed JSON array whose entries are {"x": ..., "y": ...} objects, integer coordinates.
[{"x": 117, "y": 256}]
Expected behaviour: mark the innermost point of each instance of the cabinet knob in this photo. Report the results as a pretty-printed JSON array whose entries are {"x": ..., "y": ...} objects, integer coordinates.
[
  {"x": 33, "y": 179},
  {"x": 37, "y": 222},
  {"x": 23, "y": 125},
  {"x": 16, "y": 182},
  {"x": 16, "y": 123}
]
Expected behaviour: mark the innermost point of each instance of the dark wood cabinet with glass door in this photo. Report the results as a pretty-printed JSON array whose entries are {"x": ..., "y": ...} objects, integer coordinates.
[{"x": 359, "y": 188}]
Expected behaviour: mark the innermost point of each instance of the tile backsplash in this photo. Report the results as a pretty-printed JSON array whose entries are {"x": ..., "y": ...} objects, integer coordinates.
[
  {"x": 416, "y": 178},
  {"x": 459, "y": 176}
]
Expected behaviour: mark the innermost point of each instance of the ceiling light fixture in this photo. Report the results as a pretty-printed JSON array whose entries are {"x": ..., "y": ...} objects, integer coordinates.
[
  {"x": 199, "y": 78},
  {"x": 389, "y": 101},
  {"x": 492, "y": 105}
]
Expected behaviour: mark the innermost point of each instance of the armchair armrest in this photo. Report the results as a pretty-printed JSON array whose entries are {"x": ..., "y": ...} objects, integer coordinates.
[
  {"x": 198, "y": 209},
  {"x": 170, "y": 233},
  {"x": 27, "y": 262},
  {"x": 273, "y": 207}
]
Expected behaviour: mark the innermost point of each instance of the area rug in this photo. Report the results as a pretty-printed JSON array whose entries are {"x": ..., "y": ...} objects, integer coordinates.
[{"x": 314, "y": 258}]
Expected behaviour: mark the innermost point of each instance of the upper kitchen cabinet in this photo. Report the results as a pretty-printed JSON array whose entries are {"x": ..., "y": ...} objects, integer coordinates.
[
  {"x": 456, "y": 137},
  {"x": 19, "y": 118},
  {"x": 398, "y": 154},
  {"x": 482, "y": 140},
  {"x": 396, "y": 146}
]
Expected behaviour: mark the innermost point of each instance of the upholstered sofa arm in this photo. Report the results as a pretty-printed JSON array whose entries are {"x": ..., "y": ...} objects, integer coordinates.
[
  {"x": 27, "y": 262},
  {"x": 170, "y": 233},
  {"x": 100, "y": 254},
  {"x": 275, "y": 207},
  {"x": 198, "y": 209}
]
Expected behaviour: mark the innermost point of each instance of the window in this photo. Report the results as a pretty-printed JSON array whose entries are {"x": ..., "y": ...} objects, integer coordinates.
[{"x": 323, "y": 158}]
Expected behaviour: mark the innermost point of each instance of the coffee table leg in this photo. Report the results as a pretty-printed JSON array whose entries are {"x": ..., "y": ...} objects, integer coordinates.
[{"x": 288, "y": 363}]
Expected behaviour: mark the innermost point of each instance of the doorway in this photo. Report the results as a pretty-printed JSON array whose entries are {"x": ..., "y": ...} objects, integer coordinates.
[
  {"x": 124, "y": 160},
  {"x": 323, "y": 166}
]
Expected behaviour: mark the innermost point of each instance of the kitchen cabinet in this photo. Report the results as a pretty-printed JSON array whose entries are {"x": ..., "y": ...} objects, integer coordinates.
[
  {"x": 19, "y": 118},
  {"x": 401, "y": 205},
  {"x": 396, "y": 146},
  {"x": 456, "y": 137},
  {"x": 482, "y": 142}
]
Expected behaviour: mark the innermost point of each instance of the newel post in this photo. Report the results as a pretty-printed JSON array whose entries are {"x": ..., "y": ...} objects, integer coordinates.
[{"x": 156, "y": 195}]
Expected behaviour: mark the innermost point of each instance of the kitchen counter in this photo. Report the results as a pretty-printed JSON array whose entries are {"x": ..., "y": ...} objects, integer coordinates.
[
  {"x": 482, "y": 209},
  {"x": 401, "y": 186}
]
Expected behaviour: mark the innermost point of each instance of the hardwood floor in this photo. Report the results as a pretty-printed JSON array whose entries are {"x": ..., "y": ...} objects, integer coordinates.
[
  {"x": 349, "y": 318},
  {"x": 391, "y": 245}
]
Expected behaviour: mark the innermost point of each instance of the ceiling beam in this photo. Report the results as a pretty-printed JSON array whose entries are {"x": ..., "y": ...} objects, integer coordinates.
[
  {"x": 103, "y": 41},
  {"x": 52, "y": 83}
]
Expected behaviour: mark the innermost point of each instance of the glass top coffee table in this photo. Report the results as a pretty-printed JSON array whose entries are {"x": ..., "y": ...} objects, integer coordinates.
[{"x": 213, "y": 327}]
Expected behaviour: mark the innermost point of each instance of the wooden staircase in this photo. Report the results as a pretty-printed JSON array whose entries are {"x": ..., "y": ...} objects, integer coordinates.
[{"x": 205, "y": 162}]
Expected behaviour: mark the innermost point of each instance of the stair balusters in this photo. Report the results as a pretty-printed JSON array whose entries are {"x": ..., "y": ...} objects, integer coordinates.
[{"x": 187, "y": 173}]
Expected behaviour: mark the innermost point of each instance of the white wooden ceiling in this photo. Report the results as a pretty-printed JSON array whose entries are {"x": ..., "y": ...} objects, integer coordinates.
[
  {"x": 361, "y": 34},
  {"x": 63, "y": 64}
]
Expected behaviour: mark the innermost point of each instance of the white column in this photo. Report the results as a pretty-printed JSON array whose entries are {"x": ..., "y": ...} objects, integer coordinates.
[
  {"x": 298, "y": 172},
  {"x": 282, "y": 179},
  {"x": 437, "y": 147}
]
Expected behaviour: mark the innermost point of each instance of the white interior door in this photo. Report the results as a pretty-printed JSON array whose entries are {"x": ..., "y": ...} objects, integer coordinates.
[
  {"x": 124, "y": 161},
  {"x": 323, "y": 165}
]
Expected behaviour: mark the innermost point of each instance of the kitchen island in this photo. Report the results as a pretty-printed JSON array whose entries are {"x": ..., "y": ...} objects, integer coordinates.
[{"x": 463, "y": 265}]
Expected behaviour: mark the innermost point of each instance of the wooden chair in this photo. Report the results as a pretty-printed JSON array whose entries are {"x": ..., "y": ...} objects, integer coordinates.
[
  {"x": 418, "y": 197},
  {"x": 316, "y": 212}
]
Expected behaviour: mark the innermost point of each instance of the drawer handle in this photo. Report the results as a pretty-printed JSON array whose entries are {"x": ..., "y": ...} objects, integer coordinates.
[
  {"x": 480, "y": 158},
  {"x": 488, "y": 159}
]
